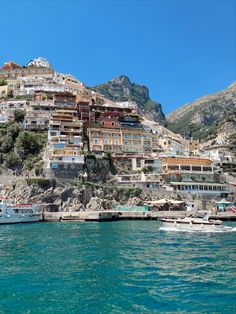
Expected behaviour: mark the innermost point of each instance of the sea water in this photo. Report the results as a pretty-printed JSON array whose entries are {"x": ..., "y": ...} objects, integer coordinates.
[{"x": 117, "y": 267}]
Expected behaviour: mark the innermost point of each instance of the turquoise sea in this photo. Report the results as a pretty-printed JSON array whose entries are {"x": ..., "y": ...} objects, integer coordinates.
[{"x": 116, "y": 267}]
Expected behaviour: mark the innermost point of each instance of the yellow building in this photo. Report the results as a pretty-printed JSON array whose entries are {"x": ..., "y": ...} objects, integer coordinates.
[
  {"x": 105, "y": 140},
  {"x": 121, "y": 141},
  {"x": 192, "y": 145}
]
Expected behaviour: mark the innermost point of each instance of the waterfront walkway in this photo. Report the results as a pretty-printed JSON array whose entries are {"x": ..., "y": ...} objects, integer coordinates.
[{"x": 125, "y": 215}]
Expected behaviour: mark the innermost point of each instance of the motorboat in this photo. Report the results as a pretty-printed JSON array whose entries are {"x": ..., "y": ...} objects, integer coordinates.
[
  {"x": 199, "y": 221},
  {"x": 17, "y": 213}
]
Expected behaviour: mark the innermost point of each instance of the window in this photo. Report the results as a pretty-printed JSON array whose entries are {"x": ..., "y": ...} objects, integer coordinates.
[
  {"x": 106, "y": 141},
  {"x": 106, "y": 134},
  {"x": 126, "y": 135}
]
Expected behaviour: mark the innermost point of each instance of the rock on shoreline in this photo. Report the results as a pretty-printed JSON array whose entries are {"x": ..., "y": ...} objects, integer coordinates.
[{"x": 52, "y": 195}]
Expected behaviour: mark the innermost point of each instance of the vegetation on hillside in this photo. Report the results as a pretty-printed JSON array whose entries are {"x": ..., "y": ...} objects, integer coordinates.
[
  {"x": 3, "y": 82},
  {"x": 203, "y": 132},
  {"x": 20, "y": 149}
]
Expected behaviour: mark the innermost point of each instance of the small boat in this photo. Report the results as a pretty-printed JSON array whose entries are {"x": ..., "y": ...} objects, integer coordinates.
[
  {"x": 199, "y": 221},
  {"x": 17, "y": 213}
]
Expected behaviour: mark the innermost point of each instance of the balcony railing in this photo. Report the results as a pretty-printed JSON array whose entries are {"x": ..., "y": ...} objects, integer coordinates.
[{"x": 136, "y": 178}]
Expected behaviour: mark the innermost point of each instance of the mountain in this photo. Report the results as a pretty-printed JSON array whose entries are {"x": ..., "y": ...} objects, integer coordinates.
[
  {"x": 208, "y": 117},
  {"x": 122, "y": 89}
]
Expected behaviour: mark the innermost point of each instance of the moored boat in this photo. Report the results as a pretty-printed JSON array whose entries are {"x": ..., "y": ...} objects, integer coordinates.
[
  {"x": 199, "y": 221},
  {"x": 17, "y": 213}
]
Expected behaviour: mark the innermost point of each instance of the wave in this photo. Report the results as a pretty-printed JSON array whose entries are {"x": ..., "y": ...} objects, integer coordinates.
[{"x": 226, "y": 229}]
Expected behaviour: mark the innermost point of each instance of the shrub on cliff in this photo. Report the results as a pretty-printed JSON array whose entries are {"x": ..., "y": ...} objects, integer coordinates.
[
  {"x": 40, "y": 182},
  {"x": 14, "y": 129},
  {"x": 27, "y": 144},
  {"x": 147, "y": 169},
  {"x": 3, "y": 81},
  {"x": 7, "y": 144},
  {"x": 19, "y": 115},
  {"x": 11, "y": 161}
]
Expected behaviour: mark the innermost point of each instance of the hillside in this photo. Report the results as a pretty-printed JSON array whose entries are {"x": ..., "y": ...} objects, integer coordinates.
[
  {"x": 122, "y": 89},
  {"x": 206, "y": 117}
]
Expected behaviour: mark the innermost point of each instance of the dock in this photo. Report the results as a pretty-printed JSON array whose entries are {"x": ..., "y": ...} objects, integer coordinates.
[{"x": 124, "y": 215}]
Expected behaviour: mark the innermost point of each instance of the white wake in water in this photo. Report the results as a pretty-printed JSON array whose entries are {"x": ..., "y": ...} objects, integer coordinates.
[{"x": 226, "y": 229}]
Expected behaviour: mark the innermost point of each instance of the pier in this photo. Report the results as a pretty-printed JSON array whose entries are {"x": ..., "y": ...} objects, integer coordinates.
[{"x": 124, "y": 215}]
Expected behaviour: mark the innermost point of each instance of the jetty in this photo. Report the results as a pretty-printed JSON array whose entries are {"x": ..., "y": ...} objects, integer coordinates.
[{"x": 124, "y": 215}]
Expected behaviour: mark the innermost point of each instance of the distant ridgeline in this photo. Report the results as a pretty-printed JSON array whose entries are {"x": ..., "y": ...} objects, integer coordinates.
[{"x": 209, "y": 117}]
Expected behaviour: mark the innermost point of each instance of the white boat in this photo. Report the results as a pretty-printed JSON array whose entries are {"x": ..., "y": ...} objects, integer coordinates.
[
  {"x": 17, "y": 213},
  {"x": 199, "y": 221}
]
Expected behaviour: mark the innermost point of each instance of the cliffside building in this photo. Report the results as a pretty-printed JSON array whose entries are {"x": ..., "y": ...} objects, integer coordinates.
[
  {"x": 193, "y": 175},
  {"x": 64, "y": 154}
]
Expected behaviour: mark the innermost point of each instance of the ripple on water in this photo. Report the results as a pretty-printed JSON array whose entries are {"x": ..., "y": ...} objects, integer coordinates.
[{"x": 120, "y": 267}]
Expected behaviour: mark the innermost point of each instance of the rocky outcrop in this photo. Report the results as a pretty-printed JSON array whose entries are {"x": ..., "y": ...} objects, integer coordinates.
[
  {"x": 207, "y": 116},
  {"x": 86, "y": 197},
  {"x": 122, "y": 89}
]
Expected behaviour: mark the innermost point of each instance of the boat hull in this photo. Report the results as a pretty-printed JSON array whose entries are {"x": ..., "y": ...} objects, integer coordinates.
[
  {"x": 193, "y": 226},
  {"x": 13, "y": 219}
]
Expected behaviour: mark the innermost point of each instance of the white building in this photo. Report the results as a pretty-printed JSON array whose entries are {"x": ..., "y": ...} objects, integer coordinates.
[
  {"x": 39, "y": 63},
  {"x": 29, "y": 86},
  {"x": 35, "y": 122},
  {"x": 16, "y": 104}
]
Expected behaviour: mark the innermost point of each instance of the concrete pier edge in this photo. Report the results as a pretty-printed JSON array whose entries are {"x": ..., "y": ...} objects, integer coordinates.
[{"x": 115, "y": 215}]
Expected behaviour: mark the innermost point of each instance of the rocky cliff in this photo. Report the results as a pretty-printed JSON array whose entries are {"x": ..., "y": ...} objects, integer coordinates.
[
  {"x": 54, "y": 196},
  {"x": 122, "y": 89},
  {"x": 208, "y": 117}
]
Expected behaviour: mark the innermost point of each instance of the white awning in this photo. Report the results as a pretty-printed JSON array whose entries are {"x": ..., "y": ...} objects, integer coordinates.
[{"x": 165, "y": 201}]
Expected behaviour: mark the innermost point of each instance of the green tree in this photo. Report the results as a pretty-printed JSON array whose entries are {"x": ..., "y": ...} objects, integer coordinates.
[
  {"x": 19, "y": 115},
  {"x": 14, "y": 130},
  {"x": 3, "y": 81},
  {"x": 12, "y": 161},
  {"x": 7, "y": 144},
  {"x": 27, "y": 144}
]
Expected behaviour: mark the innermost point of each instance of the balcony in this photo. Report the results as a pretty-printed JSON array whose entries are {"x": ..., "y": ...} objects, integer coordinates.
[{"x": 139, "y": 178}]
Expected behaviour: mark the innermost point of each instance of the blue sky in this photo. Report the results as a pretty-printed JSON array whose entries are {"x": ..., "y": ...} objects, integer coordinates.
[{"x": 181, "y": 50}]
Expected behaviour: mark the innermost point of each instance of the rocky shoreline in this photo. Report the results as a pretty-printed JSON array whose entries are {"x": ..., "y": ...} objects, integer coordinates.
[{"x": 59, "y": 196}]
